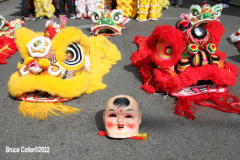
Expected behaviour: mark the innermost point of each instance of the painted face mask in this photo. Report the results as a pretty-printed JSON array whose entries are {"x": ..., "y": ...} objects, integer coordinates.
[
  {"x": 199, "y": 16},
  {"x": 58, "y": 65},
  {"x": 189, "y": 66},
  {"x": 122, "y": 117},
  {"x": 108, "y": 22}
]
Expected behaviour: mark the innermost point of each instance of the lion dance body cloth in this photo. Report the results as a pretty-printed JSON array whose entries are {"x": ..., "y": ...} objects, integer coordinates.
[
  {"x": 235, "y": 38},
  {"x": 7, "y": 44},
  {"x": 151, "y": 9},
  {"x": 85, "y": 8},
  {"x": 44, "y": 8},
  {"x": 58, "y": 65},
  {"x": 189, "y": 66}
]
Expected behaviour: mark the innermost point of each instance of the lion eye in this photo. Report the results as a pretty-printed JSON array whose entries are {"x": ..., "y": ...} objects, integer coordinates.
[
  {"x": 74, "y": 55},
  {"x": 168, "y": 50},
  {"x": 22, "y": 61},
  {"x": 116, "y": 18},
  {"x": 96, "y": 17},
  {"x": 195, "y": 10},
  {"x": 1, "y": 23},
  {"x": 163, "y": 50}
]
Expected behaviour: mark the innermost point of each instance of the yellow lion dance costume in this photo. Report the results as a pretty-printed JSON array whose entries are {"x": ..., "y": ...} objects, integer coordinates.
[
  {"x": 44, "y": 8},
  {"x": 151, "y": 9},
  {"x": 56, "y": 66}
]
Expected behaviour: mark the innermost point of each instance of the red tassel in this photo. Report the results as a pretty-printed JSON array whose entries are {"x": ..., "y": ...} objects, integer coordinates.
[
  {"x": 184, "y": 108},
  {"x": 220, "y": 101}
]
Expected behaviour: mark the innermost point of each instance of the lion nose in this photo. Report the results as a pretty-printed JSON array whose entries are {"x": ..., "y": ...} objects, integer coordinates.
[{"x": 36, "y": 66}]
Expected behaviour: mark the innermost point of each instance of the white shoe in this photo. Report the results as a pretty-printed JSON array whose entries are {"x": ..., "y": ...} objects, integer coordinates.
[{"x": 225, "y": 6}]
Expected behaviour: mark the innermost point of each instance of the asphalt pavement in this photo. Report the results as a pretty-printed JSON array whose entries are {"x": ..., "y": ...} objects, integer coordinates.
[{"x": 212, "y": 135}]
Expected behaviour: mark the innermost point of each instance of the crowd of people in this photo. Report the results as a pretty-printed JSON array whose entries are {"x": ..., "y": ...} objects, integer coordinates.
[
  {"x": 45, "y": 8},
  {"x": 179, "y": 3}
]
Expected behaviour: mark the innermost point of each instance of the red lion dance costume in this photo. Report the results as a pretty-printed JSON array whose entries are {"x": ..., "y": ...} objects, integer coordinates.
[{"x": 189, "y": 66}]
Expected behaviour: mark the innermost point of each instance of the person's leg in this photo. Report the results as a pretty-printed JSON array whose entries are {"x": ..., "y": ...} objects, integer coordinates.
[
  {"x": 25, "y": 11},
  {"x": 180, "y": 2},
  {"x": 227, "y": 2},
  {"x": 62, "y": 6},
  {"x": 173, "y": 3},
  {"x": 70, "y": 6}
]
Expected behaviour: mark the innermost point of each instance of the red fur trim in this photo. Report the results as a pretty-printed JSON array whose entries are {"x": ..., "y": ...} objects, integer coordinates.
[
  {"x": 142, "y": 60},
  {"x": 222, "y": 55},
  {"x": 232, "y": 68},
  {"x": 216, "y": 31},
  {"x": 7, "y": 48},
  {"x": 219, "y": 101},
  {"x": 137, "y": 38},
  {"x": 191, "y": 75},
  {"x": 171, "y": 35}
]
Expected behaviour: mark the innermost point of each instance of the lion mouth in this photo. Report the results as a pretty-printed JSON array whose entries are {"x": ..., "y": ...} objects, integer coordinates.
[
  {"x": 106, "y": 30},
  {"x": 41, "y": 96},
  {"x": 202, "y": 87}
]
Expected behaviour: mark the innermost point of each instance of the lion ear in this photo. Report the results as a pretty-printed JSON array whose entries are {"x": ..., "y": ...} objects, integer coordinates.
[{"x": 22, "y": 37}]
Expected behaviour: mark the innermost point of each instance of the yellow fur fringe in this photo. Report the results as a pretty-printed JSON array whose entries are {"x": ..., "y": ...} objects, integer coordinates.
[{"x": 42, "y": 110}]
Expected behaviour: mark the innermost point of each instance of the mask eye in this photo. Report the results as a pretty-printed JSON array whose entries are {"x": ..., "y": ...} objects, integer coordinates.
[
  {"x": 129, "y": 116},
  {"x": 74, "y": 55},
  {"x": 112, "y": 115}
]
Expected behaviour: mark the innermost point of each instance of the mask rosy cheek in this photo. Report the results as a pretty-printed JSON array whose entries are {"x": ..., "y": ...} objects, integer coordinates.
[
  {"x": 110, "y": 124},
  {"x": 131, "y": 125}
]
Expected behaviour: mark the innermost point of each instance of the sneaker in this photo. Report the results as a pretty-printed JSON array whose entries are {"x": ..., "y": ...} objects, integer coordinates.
[
  {"x": 61, "y": 14},
  {"x": 30, "y": 18},
  {"x": 225, "y": 6},
  {"x": 72, "y": 16}
]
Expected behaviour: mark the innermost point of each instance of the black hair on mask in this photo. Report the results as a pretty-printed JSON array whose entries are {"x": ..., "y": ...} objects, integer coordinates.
[{"x": 121, "y": 102}]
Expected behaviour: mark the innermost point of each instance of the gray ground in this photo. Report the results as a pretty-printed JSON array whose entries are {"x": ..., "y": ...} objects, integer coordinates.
[{"x": 212, "y": 135}]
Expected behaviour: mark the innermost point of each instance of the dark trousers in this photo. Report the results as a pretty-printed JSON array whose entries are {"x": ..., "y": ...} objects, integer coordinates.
[
  {"x": 226, "y": 1},
  {"x": 69, "y": 5},
  {"x": 25, "y": 11}
]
